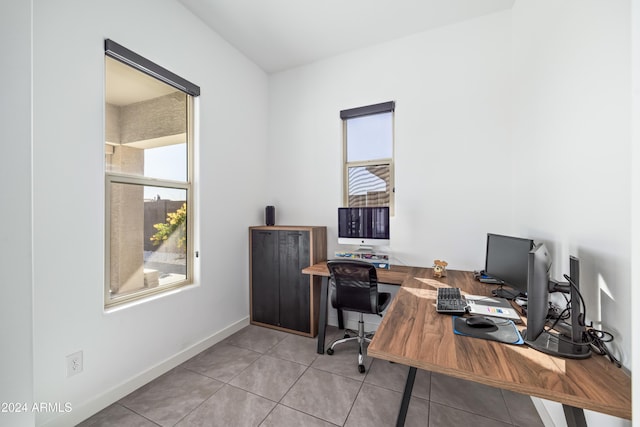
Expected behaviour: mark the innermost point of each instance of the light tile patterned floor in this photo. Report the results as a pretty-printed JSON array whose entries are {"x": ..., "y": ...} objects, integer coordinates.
[{"x": 263, "y": 377}]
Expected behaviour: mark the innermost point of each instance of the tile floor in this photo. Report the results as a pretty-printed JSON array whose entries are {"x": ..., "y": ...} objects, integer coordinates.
[{"x": 263, "y": 377}]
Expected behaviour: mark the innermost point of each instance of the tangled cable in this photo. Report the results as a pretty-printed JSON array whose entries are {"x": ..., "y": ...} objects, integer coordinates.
[{"x": 595, "y": 338}]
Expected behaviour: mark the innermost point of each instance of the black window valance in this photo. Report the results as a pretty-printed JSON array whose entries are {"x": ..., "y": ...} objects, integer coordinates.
[
  {"x": 383, "y": 107},
  {"x": 122, "y": 54}
]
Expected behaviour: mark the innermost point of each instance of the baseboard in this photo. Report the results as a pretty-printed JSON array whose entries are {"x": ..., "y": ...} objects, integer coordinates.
[{"x": 98, "y": 403}]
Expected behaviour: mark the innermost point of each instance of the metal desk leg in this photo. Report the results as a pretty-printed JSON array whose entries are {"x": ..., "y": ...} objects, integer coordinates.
[
  {"x": 322, "y": 322},
  {"x": 406, "y": 396},
  {"x": 574, "y": 416}
]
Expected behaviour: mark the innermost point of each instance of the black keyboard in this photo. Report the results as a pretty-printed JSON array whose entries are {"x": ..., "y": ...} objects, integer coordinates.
[{"x": 451, "y": 301}]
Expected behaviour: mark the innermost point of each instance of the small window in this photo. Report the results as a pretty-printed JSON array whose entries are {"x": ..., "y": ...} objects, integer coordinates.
[
  {"x": 368, "y": 155},
  {"x": 148, "y": 174}
]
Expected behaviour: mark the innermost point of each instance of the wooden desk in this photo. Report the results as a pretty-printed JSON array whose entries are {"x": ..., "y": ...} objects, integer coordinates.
[{"x": 414, "y": 334}]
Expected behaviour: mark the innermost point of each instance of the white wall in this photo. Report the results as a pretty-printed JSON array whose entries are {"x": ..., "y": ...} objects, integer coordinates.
[
  {"x": 496, "y": 118},
  {"x": 451, "y": 138},
  {"x": 123, "y": 349},
  {"x": 571, "y": 134},
  {"x": 16, "y": 331},
  {"x": 451, "y": 88},
  {"x": 635, "y": 192}
]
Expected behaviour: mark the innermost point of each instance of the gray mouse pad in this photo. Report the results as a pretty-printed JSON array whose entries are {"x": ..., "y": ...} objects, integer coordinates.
[{"x": 504, "y": 331}]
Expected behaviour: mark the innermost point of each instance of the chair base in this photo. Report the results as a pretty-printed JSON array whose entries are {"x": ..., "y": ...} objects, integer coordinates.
[{"x": 361, "y": 337}]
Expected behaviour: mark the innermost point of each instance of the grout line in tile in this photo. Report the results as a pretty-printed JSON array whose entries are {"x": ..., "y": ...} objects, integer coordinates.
[
  {"x": 508, "y": 409},
  {"x": 468, "y": 412},
  {"x": 137, "y": 413},
  {"x": 267, "y": 416},
  {"x": 353, "y": 403},
  {"x": 294, "y": 383},
  {"x": 311, "y": 415}
]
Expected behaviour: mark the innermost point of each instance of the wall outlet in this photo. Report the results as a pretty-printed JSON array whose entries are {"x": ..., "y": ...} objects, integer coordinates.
[{"x": 74, "y": 363}]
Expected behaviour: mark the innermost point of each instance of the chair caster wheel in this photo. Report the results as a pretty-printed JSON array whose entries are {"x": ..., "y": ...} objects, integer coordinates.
[
  {"x": 329, "y": 351},
  {"x": 361, "y": 369}
]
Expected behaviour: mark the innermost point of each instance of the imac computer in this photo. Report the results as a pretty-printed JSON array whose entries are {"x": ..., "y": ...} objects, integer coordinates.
[
  {"x": 536, "y": 335},
  {"x": 364, "y": 226},
  {"x": 506, "y": 260}
]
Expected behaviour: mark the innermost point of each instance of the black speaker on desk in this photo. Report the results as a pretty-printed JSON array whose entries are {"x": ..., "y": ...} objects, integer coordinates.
[{"x": 270, "y": 215}]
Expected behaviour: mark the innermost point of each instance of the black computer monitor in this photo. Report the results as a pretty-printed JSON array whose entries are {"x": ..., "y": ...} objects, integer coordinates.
[
  {"x": 538, "y": 285},
  {"x": 364, "y": 226},
  {"x": 538, "y": 278},
  {"x": 506, "y": 260}
]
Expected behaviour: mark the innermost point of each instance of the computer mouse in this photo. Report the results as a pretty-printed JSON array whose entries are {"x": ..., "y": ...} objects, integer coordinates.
[{"x": 479, "y": 322}]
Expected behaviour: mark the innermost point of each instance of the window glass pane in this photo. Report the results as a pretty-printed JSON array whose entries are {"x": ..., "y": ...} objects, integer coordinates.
[
  {"x": 369, "y": 185},
  {"x": 148, "y": 160},
  {"x": 146, "y": 125},
  {"x": 148, "y": 241},
  {"x": 168, "y": 162},
  {"x": 370, "y": 137}
]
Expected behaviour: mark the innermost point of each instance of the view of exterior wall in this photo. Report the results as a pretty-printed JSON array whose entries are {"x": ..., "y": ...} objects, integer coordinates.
[
  {"x": 155, "y": 118},
  {"x": 369, "y": 186},
  {"x": 126, "y": 243}
]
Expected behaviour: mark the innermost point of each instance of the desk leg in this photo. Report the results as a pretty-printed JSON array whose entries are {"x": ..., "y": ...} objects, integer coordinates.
[
  {"x": 574, "y": 416},
  {"x": 322, "y": 322},
  {"x": 406, "y": 396}
]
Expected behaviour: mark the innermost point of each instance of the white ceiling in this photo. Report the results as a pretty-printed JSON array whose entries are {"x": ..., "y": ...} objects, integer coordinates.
[{"x": 282, "y": 34}]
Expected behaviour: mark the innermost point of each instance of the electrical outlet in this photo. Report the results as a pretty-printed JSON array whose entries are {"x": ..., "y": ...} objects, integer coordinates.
[{"x": 74, "y": 363}]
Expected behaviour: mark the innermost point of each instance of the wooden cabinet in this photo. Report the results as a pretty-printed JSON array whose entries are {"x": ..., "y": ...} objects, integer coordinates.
[{"x": 281, "y": 296}]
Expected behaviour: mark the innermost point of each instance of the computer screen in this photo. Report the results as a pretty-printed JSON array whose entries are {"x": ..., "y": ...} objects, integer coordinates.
[
  {"x": 364, "y": 226},
  {"x": 507, "y": 260}
]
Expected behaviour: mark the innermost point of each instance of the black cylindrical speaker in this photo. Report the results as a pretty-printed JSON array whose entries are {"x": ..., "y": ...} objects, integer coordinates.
[{"x": 270, "y": 215}]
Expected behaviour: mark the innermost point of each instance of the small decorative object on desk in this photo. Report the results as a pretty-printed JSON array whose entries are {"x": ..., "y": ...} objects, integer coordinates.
[{"x": 439, "y": 268}]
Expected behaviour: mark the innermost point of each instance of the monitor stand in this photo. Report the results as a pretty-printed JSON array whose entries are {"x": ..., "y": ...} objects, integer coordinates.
[
  {"x": 569, "y": 344},
  {"x": 367, "y": 253},
  {"x": 558, "y": 345}
]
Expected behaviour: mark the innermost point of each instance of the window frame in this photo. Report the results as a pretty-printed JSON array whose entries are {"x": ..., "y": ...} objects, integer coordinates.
[
  {"x": 139, "y": 63},
  {"x": 368, "y": 110}
]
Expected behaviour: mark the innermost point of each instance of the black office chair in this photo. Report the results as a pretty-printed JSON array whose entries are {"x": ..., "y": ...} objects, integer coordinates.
[{"x": 354, "y": 287}]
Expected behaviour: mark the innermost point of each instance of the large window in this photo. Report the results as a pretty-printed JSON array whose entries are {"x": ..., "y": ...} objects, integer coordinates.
[
  {"x": 149, "y": 114},
  {"x": 368, "y": 155}
]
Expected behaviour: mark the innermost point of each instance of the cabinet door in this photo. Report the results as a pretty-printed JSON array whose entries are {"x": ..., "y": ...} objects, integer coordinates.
[
  {"x": 265, "y": 277},
  {"x": 294, "y": 286}
]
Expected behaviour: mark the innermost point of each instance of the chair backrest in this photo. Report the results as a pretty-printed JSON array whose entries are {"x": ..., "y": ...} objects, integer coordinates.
[{"x": 354, "y": 285}]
